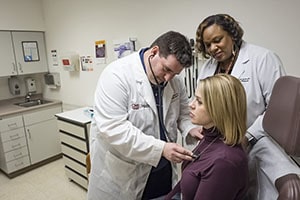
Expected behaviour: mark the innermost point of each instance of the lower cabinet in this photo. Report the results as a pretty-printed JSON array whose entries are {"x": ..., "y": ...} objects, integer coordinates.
[
  {"x": 42, "y": 134},
  {"x": 74, "y": 129},
  {"x": 28, "y": 139}
]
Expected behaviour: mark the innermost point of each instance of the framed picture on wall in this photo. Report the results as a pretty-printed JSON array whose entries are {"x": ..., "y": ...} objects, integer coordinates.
[{"x": 30, "y": 51}]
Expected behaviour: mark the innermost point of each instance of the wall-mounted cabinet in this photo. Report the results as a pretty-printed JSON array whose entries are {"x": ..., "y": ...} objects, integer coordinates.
[{"x": 22, "y": 52}]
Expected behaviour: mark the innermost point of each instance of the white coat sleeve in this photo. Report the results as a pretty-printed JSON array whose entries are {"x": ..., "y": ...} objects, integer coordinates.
[{"x": 269, "y": 70}]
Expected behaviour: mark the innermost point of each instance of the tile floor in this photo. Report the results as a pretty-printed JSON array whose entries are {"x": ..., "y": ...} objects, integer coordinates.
[{"x": 47, "y": 182}]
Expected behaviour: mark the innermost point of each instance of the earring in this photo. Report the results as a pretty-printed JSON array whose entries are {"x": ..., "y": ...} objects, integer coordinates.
[{"x": 233, "y": 51}]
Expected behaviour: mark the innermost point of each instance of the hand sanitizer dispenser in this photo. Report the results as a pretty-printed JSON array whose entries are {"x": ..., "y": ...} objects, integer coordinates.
[{"x": 14, "y": 85}]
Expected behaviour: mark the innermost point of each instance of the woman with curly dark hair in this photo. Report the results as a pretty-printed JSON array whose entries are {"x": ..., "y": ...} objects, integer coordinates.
[{"x": 220, "y": 39}]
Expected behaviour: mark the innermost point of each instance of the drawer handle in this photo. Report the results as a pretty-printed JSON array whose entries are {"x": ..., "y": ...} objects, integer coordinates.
[
  {"x": 11, "y": 126},
  {"x": 18, "y": 155},
  {"x": 17, "y": 145},
  {"x": 16, "y": 136},
  {"x": 20, "y": 164}
]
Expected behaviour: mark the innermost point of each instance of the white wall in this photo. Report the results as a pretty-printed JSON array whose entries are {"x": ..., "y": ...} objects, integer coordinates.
[
  {"x": 21, "y": 15},
  {"x": 74, "y": 25}
]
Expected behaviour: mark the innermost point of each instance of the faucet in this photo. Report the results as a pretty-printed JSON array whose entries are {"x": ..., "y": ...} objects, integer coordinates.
[{"x": 28, "y": 97}]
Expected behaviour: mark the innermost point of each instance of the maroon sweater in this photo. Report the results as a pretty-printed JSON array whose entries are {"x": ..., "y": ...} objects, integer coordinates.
[{"x": 221, "y": 172}]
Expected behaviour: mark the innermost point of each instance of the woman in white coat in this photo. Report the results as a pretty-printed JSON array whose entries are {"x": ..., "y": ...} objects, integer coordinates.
[
  {"x": 219, "y": 38},
  {"x": 140, "y": 104}
]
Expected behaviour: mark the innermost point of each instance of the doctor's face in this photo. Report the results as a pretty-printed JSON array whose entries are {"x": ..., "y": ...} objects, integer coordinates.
[
  {"x": 198, "y": 112},
  {"x": 164, "y": 69},
  {"x": 218, "y": 43}
]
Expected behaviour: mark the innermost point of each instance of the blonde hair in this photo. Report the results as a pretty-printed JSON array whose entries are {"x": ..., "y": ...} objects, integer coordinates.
[{"x": 224, "y": 98}]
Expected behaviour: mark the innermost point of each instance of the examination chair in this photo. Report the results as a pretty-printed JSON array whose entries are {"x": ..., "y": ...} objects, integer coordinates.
[{"x": 282, "y": 123}]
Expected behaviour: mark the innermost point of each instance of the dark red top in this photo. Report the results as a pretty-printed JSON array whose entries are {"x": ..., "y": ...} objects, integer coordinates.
[{"x": 221, "y": 172}]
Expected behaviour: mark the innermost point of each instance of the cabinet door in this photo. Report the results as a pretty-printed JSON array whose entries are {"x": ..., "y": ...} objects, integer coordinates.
[
  {"x": 43, "y": 140},
  {"x": 30, "y": 52},
  {"x": 8, "y": 66}
]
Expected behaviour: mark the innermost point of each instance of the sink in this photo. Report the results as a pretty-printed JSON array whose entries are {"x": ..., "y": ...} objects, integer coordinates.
[{"x": 31, "y": 103}]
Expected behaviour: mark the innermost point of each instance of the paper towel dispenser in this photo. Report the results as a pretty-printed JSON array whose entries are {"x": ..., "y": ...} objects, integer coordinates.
[{"x": 52, "y": 80}]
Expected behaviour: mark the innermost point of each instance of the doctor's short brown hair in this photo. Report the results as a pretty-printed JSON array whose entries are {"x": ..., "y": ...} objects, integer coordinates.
[{"x": 174, "y": 43}]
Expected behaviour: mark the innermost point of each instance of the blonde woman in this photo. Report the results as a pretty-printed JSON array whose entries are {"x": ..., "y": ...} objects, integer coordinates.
[{"x": 220, "y": 166}]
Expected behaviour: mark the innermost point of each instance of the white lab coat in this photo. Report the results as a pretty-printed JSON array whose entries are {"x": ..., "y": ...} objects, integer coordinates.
[
  {"x": 125, "y": 128},
  {"x": 258, "y": 69}
]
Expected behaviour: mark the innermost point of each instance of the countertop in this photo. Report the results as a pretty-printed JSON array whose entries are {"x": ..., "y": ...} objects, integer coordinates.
[
  {"x": 80, "y": 115},
  {"x": 8, "y": 107}
]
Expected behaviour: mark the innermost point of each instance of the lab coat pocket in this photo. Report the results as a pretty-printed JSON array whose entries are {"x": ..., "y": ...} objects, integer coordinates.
[{"x": 121, "y": 172}]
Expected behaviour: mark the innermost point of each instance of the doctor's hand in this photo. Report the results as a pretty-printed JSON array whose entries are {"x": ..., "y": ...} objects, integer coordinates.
[{"x": 176, "y": 153}]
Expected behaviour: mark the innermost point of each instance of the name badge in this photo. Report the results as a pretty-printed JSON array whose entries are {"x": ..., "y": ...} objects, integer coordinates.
[{"x": 136, "y": 106}]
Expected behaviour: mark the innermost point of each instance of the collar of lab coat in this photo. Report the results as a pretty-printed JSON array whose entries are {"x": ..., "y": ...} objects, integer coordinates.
[{"x": 242, "y": 59}]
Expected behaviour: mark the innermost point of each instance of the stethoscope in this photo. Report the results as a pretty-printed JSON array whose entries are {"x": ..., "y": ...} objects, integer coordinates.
[{"x": 160, "y": 88}]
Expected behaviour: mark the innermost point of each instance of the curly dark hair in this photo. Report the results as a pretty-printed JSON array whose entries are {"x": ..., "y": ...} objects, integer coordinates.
[
  {"x": 177, "y": 44},
  {"x": 227, "y": 23}
]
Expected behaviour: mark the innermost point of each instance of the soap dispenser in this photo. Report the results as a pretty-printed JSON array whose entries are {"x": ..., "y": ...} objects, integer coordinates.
[
  {"x": 30, "y": 85},
  {"x": 14, "y": 85}
]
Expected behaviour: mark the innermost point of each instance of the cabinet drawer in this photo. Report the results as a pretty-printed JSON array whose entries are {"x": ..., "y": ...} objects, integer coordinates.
[
  {"x": 72, "y": 129},
  {"x": 17, "y": 164},
  {"x": 75, "y": 166},
  {"x": 41, "y": 115},
  {"x": 11, "y": 123},
  {"x": 79, "y": 156},
  {"x": 12, "y": 135},
  {"x": 77, "y": 178},
  {"x": 14, "y": 144},
  {"x": 74, "y": 142},
  {"x": 16, "y": 154}
]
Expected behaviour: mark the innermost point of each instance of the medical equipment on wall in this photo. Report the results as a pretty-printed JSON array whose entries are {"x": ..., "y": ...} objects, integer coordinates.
[
  {"x": 133, "y": 43},
  {"x": 70, "y": 62},
  {"x": 191, "y": 73},
  {"x": 52, "y": 80}
]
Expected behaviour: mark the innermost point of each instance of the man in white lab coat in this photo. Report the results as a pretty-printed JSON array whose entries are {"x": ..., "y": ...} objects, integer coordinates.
[{"x": 140, "y": 104}]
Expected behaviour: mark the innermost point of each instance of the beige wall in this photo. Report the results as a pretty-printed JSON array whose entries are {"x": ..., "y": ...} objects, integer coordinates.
[{"x": 74, "y": 25}]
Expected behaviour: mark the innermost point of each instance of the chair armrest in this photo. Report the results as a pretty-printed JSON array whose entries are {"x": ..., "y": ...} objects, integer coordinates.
[{"x": 288, "y": 187}]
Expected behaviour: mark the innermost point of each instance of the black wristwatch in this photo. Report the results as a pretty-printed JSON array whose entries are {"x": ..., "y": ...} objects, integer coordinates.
[{"x": 251, "y": 139}]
